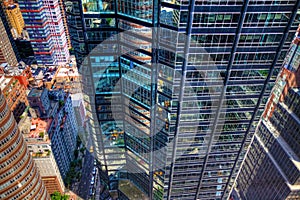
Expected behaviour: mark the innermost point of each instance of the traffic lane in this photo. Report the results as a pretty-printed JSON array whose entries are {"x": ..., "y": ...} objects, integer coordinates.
[{"x": 86, "y": 175}]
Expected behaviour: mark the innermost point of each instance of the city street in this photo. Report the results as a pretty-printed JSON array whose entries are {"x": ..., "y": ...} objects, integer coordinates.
[
  {"x": 98, "y": 188},
  {"x": 83, "y": 189},
  {"x": 84, "y": 184}
]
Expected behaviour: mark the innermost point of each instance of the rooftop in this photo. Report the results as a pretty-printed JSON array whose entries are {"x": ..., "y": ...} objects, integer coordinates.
[
  {"x": 35, "y": 130},
  {"x": 4, "y": 81},
  {"x": 12, "y": 6},
  {"x": 40, "y": 154},
  {"x": 131, "y": 191},
  {"x": 35, "y": 92},
  {"x": 67, "y": 71},
  {"x": 13, "y": 71},
  {"x": 76, "y": 99},
  {"x": 297, "y": 90},
  {"x": 38, "y": 73}
]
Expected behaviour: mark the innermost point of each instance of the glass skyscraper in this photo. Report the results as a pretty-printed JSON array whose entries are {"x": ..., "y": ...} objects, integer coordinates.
[
  {"x": 271, "y": 169},
  {"x": 177, "y": 88}
]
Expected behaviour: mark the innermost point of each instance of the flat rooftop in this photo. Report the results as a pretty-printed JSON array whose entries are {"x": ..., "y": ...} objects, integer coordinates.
[
  {"x": 35, "y": 92},
  {"x": 76, "y": 99},
  {"x": 131, "y": 191},
  {"x": 3, "y": 82},
  {"x": 35, "y": 130},
  {"x": 297, "y": 90},
  {"x": 67, "y": 71}
]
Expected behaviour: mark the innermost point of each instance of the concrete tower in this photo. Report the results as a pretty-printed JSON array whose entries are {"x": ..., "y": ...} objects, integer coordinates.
[{"x": 19, "y": 176}]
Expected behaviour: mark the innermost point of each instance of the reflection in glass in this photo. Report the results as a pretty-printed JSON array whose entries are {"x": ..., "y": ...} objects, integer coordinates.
[{"x": 92, "y": 6}]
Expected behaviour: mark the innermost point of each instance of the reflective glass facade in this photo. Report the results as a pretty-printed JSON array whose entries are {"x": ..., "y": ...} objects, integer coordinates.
[
  {"x": 177, "y": 104},
  {"x": 271, "y": 168}
]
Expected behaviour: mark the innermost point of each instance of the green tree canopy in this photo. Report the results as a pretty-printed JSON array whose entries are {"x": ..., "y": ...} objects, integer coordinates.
[{"x": 59, "y": 196}]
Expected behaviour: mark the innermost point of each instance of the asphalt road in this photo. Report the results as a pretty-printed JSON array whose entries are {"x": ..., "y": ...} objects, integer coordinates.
[{"x": 85, "y": 182}]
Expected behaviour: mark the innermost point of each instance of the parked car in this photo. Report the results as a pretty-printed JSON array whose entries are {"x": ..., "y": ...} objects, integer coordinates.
[
  {"x": 94, "y": 171},
  {"x": 91, "y": 191},
  {"x": 93, "y": 180}
]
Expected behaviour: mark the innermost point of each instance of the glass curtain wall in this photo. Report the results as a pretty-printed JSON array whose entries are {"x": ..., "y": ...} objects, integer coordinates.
[{"x": 177, "y": 105}]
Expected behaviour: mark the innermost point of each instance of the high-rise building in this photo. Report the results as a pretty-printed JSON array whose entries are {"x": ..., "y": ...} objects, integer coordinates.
[
  {"x": 271, "y": 169},
  {"x": 177, "y": 88},
  {"x": 8, "y": 50},
  {"x": 15, "y": 95},
  {"x": 64, "y": 19},
  {"x": 56, "y": 106},
  {"x": 14, "y": 17},
  {"x": 36, "y": 134},
  {"x": 43, "y": 21},
  {"x": 19, "y": 176}
]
